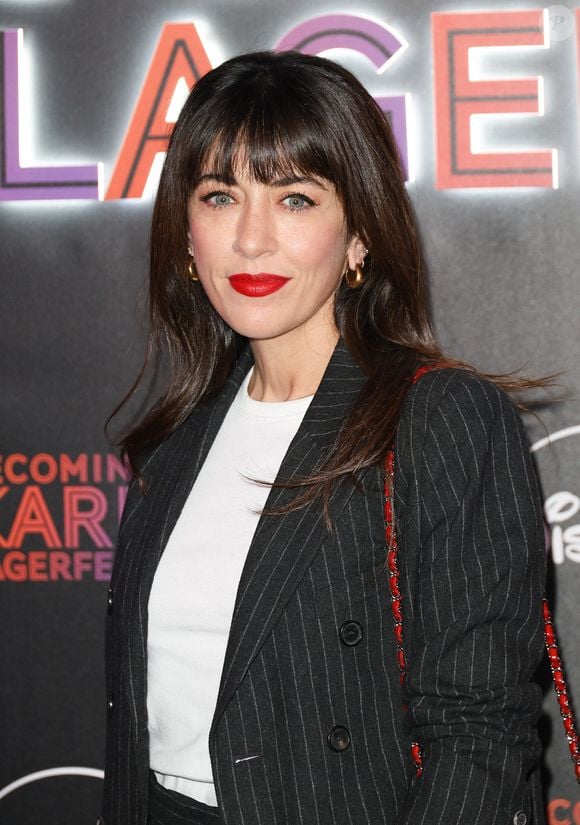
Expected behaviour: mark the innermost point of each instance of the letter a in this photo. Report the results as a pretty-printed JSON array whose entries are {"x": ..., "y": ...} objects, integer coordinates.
[{"x": 179, "y": 56}]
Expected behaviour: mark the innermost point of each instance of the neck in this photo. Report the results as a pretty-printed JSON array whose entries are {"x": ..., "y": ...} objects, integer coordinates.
[{"x": 291, "y": 366}]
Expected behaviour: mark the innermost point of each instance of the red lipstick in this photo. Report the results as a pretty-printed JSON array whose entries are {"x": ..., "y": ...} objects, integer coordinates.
[{"x": 254, "y": 286}]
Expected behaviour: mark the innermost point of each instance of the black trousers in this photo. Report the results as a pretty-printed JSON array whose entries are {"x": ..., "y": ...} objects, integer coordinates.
[{"x": 171, "y": 808}]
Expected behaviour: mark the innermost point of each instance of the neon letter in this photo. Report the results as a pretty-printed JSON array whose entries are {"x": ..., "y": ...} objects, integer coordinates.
[
  {"x": 90, "y": 518},
  {"x": 9, "y": 468},
  {"x": 82, "y": 563},
  {"x": 553, "y": 809},
  {"x": 19, "y": 182},
  {"x": 32, "y": 516},
  {"x": 374, "y": 39},
  {"x": 70, "y": 469},
  {"x": 179, "y": 56},
  {"x": 458, "y": 98}
]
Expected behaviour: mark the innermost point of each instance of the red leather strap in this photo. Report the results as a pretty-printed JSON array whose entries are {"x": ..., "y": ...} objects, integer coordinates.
[
  {"x": 393, "y": 569},
  {"x": 561, "y": 688},
  {"x": 397, "y": 610}
]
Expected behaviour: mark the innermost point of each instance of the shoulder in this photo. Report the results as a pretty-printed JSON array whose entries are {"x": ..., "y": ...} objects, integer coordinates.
[
  {"x": 463, "y": 460},
  {"x": 459, "y": 397},
  {"x": 454, "y": 414},
  {"x": 453, "y": 387}
]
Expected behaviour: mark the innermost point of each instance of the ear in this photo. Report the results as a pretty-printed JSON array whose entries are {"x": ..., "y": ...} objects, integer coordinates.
[{"x": 356, "y": 252}]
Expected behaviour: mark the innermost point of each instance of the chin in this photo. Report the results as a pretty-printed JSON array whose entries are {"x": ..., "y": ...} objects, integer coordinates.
[
  {"x": 259, "y": 330},
  {"x": 254, "y": 333}
]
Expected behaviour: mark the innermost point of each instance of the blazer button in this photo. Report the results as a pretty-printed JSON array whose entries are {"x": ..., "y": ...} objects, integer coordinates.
[
  {"x": 520, "y": 818},
  {"x": 338, "y": 738},
  {"x": 350, "y": 633},
  {"x": 100, "y": 821},
  {"x": 110, "y": 705},
  {"x": 109, "y": 601}
]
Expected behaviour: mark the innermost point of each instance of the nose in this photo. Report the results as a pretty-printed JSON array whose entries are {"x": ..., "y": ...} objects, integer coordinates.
[{"x": 255, "y": 231}]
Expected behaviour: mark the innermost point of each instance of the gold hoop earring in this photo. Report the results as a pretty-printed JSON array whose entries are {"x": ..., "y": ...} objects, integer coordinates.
[
  {"x": 191, "y": 271},
  {"x": 354, "y": 278}
]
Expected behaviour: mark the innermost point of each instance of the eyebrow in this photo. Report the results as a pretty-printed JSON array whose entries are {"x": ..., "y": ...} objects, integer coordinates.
[
  {"x": 228, "y": 180},
  {"x": 292, "y": 180}
]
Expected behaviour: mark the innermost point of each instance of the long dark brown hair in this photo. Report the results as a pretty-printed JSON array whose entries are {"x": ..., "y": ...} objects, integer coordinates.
[{"x": 286, "y": 114}]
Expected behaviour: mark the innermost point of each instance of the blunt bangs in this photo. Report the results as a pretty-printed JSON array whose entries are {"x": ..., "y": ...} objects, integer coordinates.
[{"x": 272, "y": 128}]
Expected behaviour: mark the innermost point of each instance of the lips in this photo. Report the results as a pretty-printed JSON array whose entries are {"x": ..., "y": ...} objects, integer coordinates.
[{"x": 255, "y": 286}]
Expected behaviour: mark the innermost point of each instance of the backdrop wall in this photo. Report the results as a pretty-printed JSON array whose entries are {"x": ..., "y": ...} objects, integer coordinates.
[{"x": 484, "y": 102}]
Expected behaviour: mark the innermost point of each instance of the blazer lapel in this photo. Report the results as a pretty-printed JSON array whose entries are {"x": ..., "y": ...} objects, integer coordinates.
[
  {"x": 283, "y": 546},
  {"x": 170, "y": 472}
]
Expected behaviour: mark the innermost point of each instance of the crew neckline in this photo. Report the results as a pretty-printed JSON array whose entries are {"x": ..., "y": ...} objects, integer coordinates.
[{"x": 269, "y": 409}]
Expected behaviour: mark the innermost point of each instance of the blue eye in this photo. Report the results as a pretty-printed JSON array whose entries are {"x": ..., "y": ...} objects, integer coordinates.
[
  {"x": 218, "y": 199},
  {"x": 297, "y": 202}
]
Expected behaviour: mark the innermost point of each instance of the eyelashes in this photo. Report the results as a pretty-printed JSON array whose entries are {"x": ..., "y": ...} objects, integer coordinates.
[
  {"x": 298, "y": 196},
  {"x": 217, "y": 199},
  {"x": 297, "y": 201}
]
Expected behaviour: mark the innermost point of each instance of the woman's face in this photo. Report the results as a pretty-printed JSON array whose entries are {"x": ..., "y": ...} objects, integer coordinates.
[{"x": 241, "y": 233}]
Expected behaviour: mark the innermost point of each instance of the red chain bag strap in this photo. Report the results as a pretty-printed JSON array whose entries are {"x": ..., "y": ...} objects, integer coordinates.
[{"x": 552, "y": 648}]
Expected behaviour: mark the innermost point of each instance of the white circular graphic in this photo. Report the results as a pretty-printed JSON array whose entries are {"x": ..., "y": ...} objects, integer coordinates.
[
  {"x": 560, "y": 23},
  {"x": 47, "y": 774},
  {"x": 550, "y": 439},
  {"x": 563, "y": 505}
]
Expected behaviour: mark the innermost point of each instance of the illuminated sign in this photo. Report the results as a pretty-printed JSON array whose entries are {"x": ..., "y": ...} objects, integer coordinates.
[
  {"x": 562, "y": 508},
  {"x": 67, "y": 537},
  {"x": 179, "y": 56},
  {"x": 463, "y": 98},
  {"x": 375, "y": 40},
  {"x": 17, "y": 181},
  {"x": 563, "y": 812},
  {"x": 460, "y": 97}
]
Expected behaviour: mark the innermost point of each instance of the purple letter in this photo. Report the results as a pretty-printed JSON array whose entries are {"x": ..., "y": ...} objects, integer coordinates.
[
  {"x": 376, "y": 40},
  {"x": 31, "y": 182}
]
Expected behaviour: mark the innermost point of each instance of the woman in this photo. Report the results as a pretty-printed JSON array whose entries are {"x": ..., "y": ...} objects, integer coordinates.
[{"x": 251, "y": 662}]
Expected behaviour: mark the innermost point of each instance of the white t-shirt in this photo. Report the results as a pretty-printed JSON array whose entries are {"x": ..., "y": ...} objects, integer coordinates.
[{"x": 194, "y": 589}]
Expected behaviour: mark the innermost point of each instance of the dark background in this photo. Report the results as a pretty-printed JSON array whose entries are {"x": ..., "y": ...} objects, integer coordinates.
[{"x": 504, "y": 289}]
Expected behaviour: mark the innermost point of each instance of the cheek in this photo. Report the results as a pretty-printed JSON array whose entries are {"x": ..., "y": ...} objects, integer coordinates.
[
  {"x": 206, "y": 233},
  {"x": 201, "y": 238},
  {"x": 319, "y": 245}
]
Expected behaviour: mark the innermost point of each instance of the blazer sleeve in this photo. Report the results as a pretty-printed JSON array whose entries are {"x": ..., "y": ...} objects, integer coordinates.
[{"x": 475, "y": 629}]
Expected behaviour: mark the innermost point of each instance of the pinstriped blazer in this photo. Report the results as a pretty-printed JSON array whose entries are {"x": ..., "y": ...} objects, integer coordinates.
[{"x": 309, "y": 727}]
